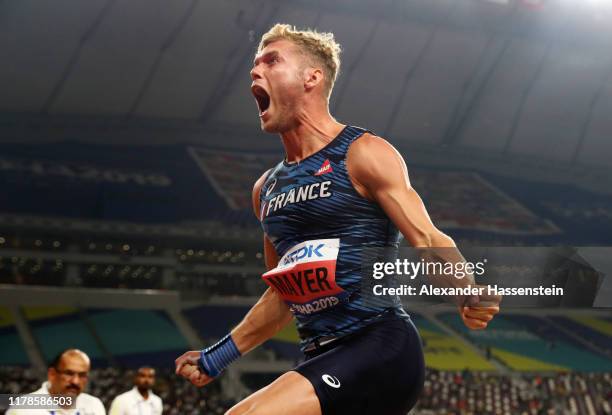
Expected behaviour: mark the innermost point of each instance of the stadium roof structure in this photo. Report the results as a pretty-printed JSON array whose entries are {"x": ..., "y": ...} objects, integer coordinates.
[{"x": 505, "y": 76}]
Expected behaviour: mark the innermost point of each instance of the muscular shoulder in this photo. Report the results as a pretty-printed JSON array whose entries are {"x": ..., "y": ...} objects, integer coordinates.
[
  {"x": 369, "y": 141},
  {"x": 372, "y": 162},
  {"x": 371, "y": 150},
  {"x": 257, "y": 190}
]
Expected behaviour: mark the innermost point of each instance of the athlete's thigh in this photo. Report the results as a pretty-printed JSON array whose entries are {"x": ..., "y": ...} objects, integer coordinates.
[{"x": 291, "y": 394}]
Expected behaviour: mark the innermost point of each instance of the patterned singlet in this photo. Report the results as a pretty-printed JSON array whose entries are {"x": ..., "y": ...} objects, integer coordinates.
[{"x": 319, "y": 226}]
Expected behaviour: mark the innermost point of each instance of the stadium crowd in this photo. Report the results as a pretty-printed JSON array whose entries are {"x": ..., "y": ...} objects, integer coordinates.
[
  {"x": 445, "y": 393},
  {"x": 480, "y": 393}
]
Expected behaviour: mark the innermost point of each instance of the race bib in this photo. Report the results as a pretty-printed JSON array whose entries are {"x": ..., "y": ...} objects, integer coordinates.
[{"x": 306, "y": 276}]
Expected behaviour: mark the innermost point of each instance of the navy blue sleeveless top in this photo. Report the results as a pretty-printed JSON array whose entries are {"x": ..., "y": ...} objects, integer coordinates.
[{"x": 320, "y": 226}]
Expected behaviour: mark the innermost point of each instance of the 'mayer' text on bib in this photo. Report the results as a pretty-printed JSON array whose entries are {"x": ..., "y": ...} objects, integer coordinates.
[{"x": 306, "y": 276}]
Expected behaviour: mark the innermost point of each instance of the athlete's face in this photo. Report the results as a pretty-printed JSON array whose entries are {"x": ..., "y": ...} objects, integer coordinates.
[{"x": 278, "y": 85}]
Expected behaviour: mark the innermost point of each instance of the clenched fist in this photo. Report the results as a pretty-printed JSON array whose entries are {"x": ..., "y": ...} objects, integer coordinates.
[
  {"x": 187, "y": 367},
  {"x": 477, "y": 314}
]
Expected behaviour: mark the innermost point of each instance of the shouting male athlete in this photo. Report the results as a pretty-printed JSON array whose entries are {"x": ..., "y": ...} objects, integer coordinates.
[{"x": 339, "y": 191}]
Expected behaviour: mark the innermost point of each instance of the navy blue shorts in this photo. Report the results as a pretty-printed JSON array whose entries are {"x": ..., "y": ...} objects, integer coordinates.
[{"x": 378, "y": 371}]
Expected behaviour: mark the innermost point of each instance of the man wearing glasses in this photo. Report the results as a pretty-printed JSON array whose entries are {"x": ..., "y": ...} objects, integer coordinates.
[{"x": 67, "y": 376}]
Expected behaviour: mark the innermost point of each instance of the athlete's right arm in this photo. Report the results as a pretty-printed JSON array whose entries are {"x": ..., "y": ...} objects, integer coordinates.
[
  {"x": 270, "y": 314},
  {"x": 266, "y": 318}
]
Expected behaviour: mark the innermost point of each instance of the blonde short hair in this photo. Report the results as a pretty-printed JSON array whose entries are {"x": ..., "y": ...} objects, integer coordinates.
[{"x": 322, "y": 47}]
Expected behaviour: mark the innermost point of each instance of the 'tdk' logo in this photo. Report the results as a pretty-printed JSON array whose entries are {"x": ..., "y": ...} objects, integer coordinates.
[{"x": 307, "y": 251}]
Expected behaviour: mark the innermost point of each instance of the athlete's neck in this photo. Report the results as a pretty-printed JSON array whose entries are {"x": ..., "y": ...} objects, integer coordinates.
[{"x": 311, "y": 134}]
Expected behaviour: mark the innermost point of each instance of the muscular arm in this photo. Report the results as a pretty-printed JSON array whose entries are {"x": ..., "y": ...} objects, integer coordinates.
[
  {"x": 270, "y": 314},
  {"x": 264, "y": 319},
  {"x": 379, "y": 173}
]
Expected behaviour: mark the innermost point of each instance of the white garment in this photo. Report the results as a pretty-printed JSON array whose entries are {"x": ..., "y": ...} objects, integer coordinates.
[
  {"x": 86, "y": 404},
  {"x": 132, "y": 403}
]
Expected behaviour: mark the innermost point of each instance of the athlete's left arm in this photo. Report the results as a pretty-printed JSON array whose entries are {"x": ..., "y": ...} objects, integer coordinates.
[{"x": 379, "y": 173}]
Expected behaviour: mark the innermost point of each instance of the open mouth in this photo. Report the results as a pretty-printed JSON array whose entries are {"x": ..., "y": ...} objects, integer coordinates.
[{"x": 262, "y": 98}]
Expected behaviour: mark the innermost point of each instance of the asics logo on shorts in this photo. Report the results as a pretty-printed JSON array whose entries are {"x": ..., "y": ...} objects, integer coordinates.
[{"x": 331, "y": 381}]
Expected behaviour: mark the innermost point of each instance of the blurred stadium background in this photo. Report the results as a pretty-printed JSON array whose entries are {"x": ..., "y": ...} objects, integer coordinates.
[{"x": 129, "y": 144}]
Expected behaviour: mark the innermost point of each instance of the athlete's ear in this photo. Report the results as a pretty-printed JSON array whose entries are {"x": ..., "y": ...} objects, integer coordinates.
[{"x": 312, "y": 78}]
